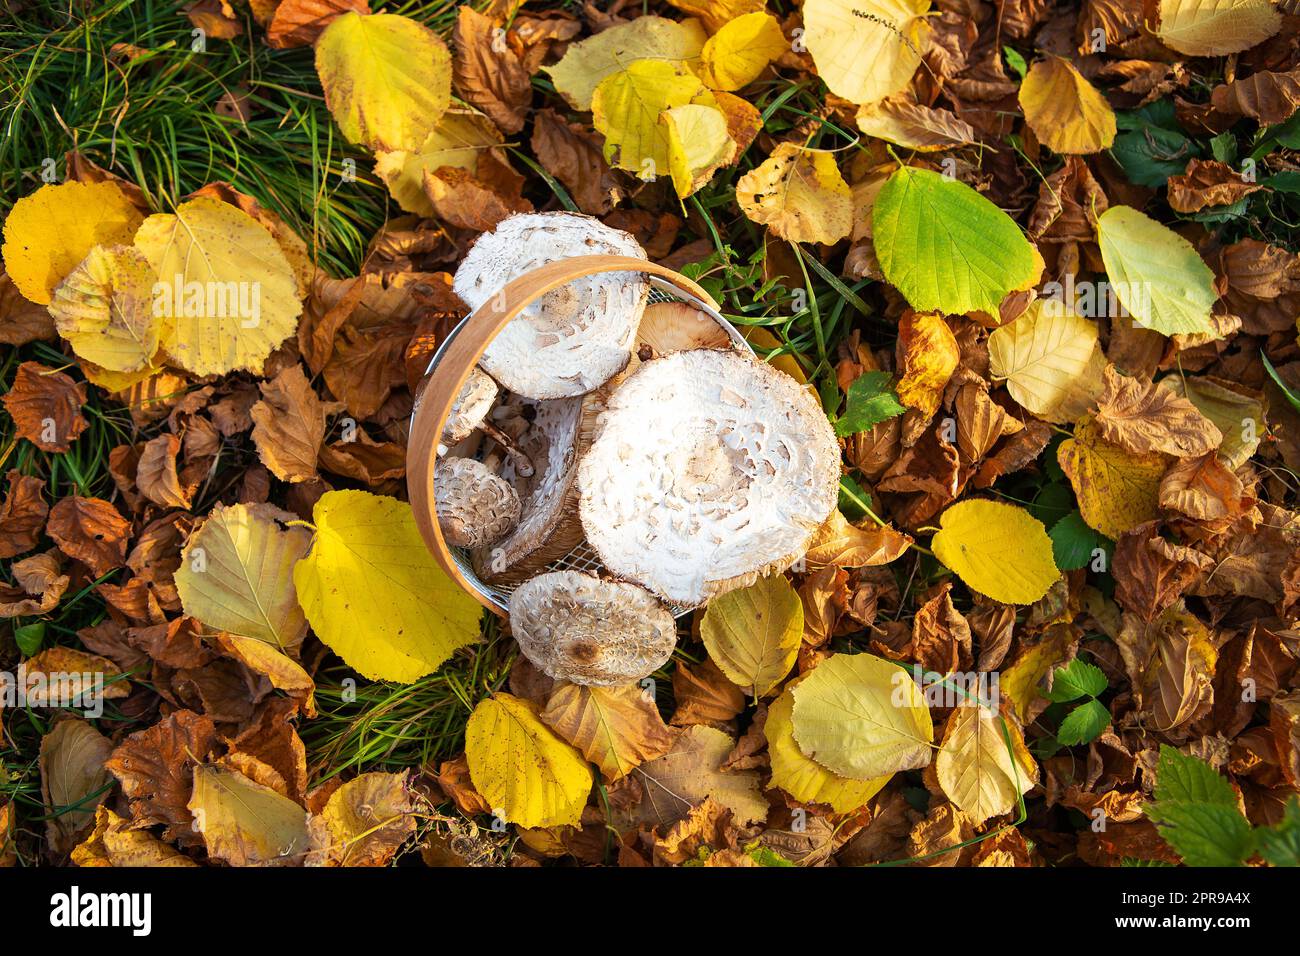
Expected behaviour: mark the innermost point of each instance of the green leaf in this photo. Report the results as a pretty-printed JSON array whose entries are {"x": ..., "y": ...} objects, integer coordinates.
[
  {"x": 1077, "y": 679},
  {"x": 1153, "y": 147},
  {"x": 944, "y": 246},
  {"x": 1084, "y": 724},
  {"x": 1280, "y": 843},
  {"x": 870, "y": 401},
  {"x": 854, "y": 499},
  {"x": 1196, "y": 811},
  {"x": 1277, "y": 380},
  {"x": 1015, "y": 61},
  {"x": 1203, "y": 834},
  {"x": 30, "y": 637},
  {"x": 1073, "y": 542},
  {"x": 1156, "y": 273},
  {"x": 1186, "y": 779}
]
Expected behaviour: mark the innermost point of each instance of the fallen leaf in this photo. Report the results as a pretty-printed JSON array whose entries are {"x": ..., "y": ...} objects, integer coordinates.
[
  {"x": 586, "y": 63},
  {"x": 1142, "y": 418},
  {"x": 387, "y": 79},
  {"x": 245, "y": 823},
  {"x": 289, "y": 426},
  {"x": 154, "y": 766},
  {"x": 487, "y": 73},
  {"x": 865, "y": 49},
  {"x": 1065, "y": 111},
  {"x": 89, "y": 530},
  {"x": 982, "y": 764},
  {"x": 22, "y": 515},
  {"x": 928, "y": 354},
  {"x": 368, "y": 562},
  {"x": 690, "y": 773},
  {"x": 73, "y": 780},
  {"x": 616, "y": 728},
  {"x": 740, "y": 50},
  {"x": 1215, "y": 27},
  {"x": 799, "y": 194},
  {"x": 753, "y": 634},
  {"x": 1117, "y": 490},
  {"x": 104, "y": 309},
  {"x": 364, "y": 822},
  {"x": 997, "y": 549},
  {"x": 527, "y": 774},
  {"x": 299, "y": 23},
  {"x": 45, "y": 406}
]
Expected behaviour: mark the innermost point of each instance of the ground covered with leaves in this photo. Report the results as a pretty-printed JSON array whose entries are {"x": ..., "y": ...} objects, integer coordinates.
[{"x": 1037, "y": 262}]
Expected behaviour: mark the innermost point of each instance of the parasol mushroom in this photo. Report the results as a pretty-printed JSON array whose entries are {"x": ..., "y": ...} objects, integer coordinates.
[
  {"x": 475, "y": 506},
  {"x": 576, "y": 627},
  {"x": 709, "y": 469},
  {"x": 576, "y": 337}
]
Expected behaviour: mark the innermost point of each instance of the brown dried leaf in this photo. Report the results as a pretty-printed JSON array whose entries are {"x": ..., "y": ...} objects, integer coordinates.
[
  {"x": 616, "y": 728},
  {"x": 1208, "y": 182},
  {"x": 22, "y": 515},
  {"x": 289, "y": 425},
  {"x": 89, "y": 530},
  {"x": 72, "y": 776},
  {"x": 572, "y": 154},
  {"x": 1142, "y": 418},
  {"x": 299, "y": 22},
  {"x": 487, "y": 73},
  {"x": 1265, "y": 96},
  {"x": 45, "y": 406},
  {"x": 155, "y": 768}
]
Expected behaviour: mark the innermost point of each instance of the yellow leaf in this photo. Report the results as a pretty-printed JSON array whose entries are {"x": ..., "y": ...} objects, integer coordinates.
[
  {"x": 104, "y": 308},
  {"x": 1117, "y": 491},
  {"x": 47, "y": 234},
  {"x": 226, "y": 293},
  {"x": 616, "y": 728},
  {"x": 1216, "y": 27},
  {"x": 799, "y": 194},
  {"x": 387, "y": 79},
  {"x": 114, "y": 843},
  {"x": 997, "y": 549},
  {"x": 715, "y": 13},
  {"x": 586, "y": 63},
  {"x": 521, "y": 768},
  {"x": 1238, "y": 415},
  {"x": 1041, "y": 354},
  {"x": 862, "y": 717},
  {"x": 928, "y": 355},
  {"x": 1065, "y": 111},
  {"x": 461, "y": 138},
  {"x": 865, "y": 49},
  {"x": 374, "y": 594},
  {"x": 760, "y": 337},
  {"x": 245, "y": 823},
  {"x": 625, "y": 110},
  {"x": 975, "y": 765},
  {"x": 236, "y": 575},
  {"x": 753, "y": 634},
  {"x": 1021, "y": 681},
  {"x": 364, "y": 822},
  {"x": 698, "y": 143},
  {"x": 803, "y": 778},
  {"x": 736, "y": 55}
]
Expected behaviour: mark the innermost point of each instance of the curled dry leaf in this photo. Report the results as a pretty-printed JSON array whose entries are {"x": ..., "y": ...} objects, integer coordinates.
[
  {"x": 364, "y": 822},
  {"x": 690, "y": 773},
  {"x": 104, "y": 309},
  {"x": 89, "y": 530},
  {"x": 1208, "y": 182},
  {"x": 40, "y": 586},
  {"x": 927, "y": 356},
  {"x": 115, "y": 843},
  {"x": 289, "y": 425},
  {"x": 22, "y": 515},
  {"x": 300, "y": 22},
  {"x": 838, "y": 543},
  {"x": 572, "y": 154},
  {"x": 1143, "y": 418},
  {"x": 923, "y": 128},
  {"x": 488, "y": 74},
  {"x": 45, "y": 406},
  {"x": 155, "y": 768}
]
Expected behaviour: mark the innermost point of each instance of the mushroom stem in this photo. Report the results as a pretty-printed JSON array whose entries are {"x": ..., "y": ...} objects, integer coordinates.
[{"x": 523, "y": 465}]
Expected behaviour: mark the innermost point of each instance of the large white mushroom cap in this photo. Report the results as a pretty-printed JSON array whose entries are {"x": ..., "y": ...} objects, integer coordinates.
[
  {"x": 576, "y": 627},
  {"x": 709, "y": 468},
  {"x": 573, "y": 339}
]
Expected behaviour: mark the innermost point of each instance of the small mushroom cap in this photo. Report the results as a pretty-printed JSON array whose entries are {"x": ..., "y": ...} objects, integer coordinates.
[
  {"x": 709, "y": 469},
  {"x": 573, "y": 339},
  {"x": 475, "y": 507},
  {"x": 470, "y": 408},
  {"x": 576, "y": 627}
]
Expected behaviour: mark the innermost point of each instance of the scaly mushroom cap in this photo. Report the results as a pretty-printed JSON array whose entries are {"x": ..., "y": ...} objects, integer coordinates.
[
  {"x": 573, "y": 339},
  {"x": 475, "y": 507},
  {"x": 709, "y": 469},
  {"x": 549, "y": 527},
  {"x": 470, "y": 408},
  {"x": 578, "y": 628}
]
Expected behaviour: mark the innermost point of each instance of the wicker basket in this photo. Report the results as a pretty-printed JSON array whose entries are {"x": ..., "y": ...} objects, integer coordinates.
[{"x": 450, "y": 367}]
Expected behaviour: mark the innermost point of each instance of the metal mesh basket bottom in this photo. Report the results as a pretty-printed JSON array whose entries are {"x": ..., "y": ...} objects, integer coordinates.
[{"x": 583, "y": 557}]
